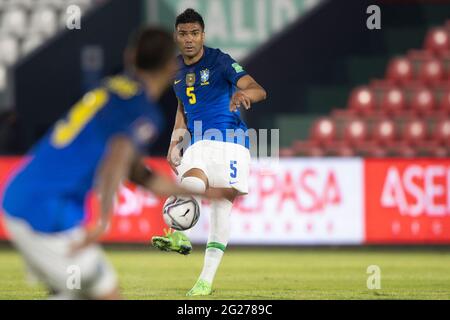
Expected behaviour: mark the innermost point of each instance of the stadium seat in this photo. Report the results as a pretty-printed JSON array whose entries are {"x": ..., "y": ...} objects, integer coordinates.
[
  {"x": 343, "y": 150},
  {"x": 422, "y": 101},
  {"x": 361, "y": 100},
  {"x": 444, "y": 105},
  {"x": 9, "y": 50},
  {"x": 442, "y": 132},
  {"x": 384, "y": 132},
  {"x": 25, "y": 4},
  {"x": 399, "y": 70},
  {"x": 355, "y": 132},
  {"x": 307, "y": 148},
  {"x": 437, "y": 40},
  {"x": 323, "y": 131},
  {"x": 14, "y": 22},
  {"x": 393, "y": 101},
  {"x": 44, "y": 21},
  {"x": 415, "y": 132},
  {"x": 322, "y": 135},
  {"x": 431, "y": 72},
  {"x": 57, "y": 4},
  {"x": 287, "y": 152}
]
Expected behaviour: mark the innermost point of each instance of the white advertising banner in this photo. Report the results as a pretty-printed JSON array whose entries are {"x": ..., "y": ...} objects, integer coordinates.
[{"x": 297, "y": 201}]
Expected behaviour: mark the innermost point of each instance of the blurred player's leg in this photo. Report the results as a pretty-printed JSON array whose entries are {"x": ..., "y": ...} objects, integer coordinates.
[{"x": 84, "y": 275}]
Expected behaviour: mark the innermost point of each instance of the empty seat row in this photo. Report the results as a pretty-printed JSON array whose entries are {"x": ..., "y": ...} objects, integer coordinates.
[
  {"x": 30, "y": 4},
  {"x": 380, "y": 138},
  {"x": 18, "y": 23},
  {"x": 12, "y": 49},
  {"x": 386, "y": 99}
]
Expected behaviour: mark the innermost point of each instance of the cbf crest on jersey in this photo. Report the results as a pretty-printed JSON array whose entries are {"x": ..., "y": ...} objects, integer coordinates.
[
  {"x": 204, "y": 76},
  {"x": 190, "y": 79}
]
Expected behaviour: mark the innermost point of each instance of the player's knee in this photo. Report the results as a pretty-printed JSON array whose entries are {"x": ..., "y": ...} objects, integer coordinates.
[
  {"x": 196, "y": 173},
  {"x": 194, "y": 184}
]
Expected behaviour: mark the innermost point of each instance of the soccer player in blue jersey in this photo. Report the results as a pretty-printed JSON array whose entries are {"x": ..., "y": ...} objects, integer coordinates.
[
  {"x": 96, "y": 146},
  {"x": 210, "y": 87}
]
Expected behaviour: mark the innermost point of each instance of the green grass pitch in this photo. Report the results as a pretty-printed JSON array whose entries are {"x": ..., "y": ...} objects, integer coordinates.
[{"x": 272, "y": 273}]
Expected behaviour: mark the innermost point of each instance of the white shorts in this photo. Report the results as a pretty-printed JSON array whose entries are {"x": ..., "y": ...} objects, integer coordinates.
[
  {"x": 86, "y": 274},
  {"x": 226, "y": 164}
]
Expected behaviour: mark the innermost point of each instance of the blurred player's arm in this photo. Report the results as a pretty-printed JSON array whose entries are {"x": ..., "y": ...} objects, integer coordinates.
[
  {"x": 161, "y": 185},
  {"x": 249, "y": 92},
  {"x": 179, "y": 129},
  {"x": 112, "y": 170}
]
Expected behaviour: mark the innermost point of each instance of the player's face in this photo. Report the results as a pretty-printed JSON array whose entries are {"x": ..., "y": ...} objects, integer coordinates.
[
  {"x": 190, "y": 39},
  {"x": 170, "y": 70}
]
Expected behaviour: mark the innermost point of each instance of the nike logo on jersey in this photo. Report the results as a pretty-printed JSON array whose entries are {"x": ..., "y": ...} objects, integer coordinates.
[{"x": 177, "y": 81}]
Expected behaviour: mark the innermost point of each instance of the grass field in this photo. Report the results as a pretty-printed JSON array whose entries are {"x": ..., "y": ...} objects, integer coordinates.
[{"x": 265, "y": 274}]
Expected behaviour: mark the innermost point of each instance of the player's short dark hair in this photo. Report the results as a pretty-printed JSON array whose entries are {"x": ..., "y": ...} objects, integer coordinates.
[
  {"x": 152, "y": 48},
  {"x": 190, "y": 16}
]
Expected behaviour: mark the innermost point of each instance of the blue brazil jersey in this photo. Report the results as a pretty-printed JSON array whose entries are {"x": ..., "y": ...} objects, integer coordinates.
[
  {"x": 205, "y": 89},
  {"x": 49, "y": 191}
]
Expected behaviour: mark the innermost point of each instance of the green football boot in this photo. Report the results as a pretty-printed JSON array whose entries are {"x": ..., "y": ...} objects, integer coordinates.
[
  {"x": 201, "y": 288},
  {"x": 173, "y": 241}
]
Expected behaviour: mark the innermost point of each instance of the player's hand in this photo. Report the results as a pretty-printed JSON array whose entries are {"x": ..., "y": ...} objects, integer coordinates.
[
  {"x": 238, "y": 99},
  {"x": 92, "y": 236},
  {"x": 174, "y": 157}
]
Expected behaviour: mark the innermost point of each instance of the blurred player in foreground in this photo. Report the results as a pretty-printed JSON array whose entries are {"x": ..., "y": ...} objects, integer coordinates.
[
  {"x": 210, "y": 87},
  {"x": 97, "y": 146}
]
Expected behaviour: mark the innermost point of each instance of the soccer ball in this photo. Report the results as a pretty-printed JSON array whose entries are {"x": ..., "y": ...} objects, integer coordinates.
[{"x": 181, "y": 213}]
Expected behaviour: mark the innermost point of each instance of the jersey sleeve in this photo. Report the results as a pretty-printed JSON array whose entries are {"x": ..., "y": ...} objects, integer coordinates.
[
  {"x": 233, "y": 71},
  {"x": 142, "y": 132}
]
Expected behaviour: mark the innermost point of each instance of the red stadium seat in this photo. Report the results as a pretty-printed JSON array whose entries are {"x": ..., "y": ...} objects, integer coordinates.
[
  {"x": 417, "y": 58},
  {"x": 404, "y": 151},
  {"x": 307, "y": 148},
  {"x": 444, "y": 105},
  {"x": 362, "y": 100},
  {"x": 415, "y": 132},
  {"x": 431, "y": 72},
  {"x": 437, "y": 40},
  {"x": 377, "y": 152},
  {"x": 355, "y": 132},
  {"x": 399, "y": 70},
  {"x": 323, "y": 131},
  {"x": 286, "y": 152},
  {"x": 393, "y": 101},
  {"x": 384, "y": 132},
  {"x": 344, "y": 151},
  {"x": 442, "y": 132},
  {"x": 422, "y": 101}
]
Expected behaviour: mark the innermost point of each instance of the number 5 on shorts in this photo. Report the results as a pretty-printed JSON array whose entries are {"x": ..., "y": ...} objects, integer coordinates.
[{"x": 233, "y": 173}]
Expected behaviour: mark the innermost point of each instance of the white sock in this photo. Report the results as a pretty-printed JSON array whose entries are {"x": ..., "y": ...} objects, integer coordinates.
[
  {"x": 197, "y": 185},
  {"x": 219, "y": 234}
]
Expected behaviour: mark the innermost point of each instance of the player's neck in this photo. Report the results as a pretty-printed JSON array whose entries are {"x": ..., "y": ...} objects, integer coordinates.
[
  {"x": 191, "y": 60},
  {"x": 154, "y": 86}
]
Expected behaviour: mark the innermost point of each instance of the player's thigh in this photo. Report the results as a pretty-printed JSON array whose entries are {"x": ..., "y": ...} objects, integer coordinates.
[
  {"x": 194, "y": 161},
  {"x": 230, "y": 168},
  {"x": 86, "y": 274}
]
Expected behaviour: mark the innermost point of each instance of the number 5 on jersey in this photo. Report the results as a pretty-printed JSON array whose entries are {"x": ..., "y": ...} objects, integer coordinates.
[{"x": 190, "y": 93}]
